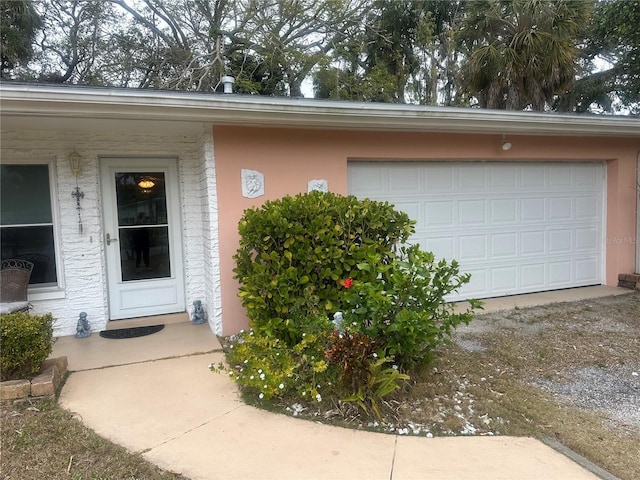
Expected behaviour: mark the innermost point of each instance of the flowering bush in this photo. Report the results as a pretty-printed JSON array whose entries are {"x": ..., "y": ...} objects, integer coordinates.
[
  {"x": 267, "y": 368},
  {"x": 295, "y": 252},
  {"x": 402, "y": 306}
]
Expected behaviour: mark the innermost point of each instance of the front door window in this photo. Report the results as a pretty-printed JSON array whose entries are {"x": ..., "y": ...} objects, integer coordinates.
[{"x": 142, "y": 225}]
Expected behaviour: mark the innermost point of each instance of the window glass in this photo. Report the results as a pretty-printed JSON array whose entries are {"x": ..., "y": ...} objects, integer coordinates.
[
  {"x": 25, "y": 197},
  {"x": 26, "y": 219}
]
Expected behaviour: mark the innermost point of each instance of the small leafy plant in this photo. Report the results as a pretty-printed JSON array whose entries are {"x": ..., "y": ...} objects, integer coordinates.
[{"x": 25, "y": 343}]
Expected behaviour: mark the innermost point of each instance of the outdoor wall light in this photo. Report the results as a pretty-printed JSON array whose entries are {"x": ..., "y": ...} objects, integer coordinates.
[
  {"x": 74, "y": 163},
  {"x": 505, "y": 145}
]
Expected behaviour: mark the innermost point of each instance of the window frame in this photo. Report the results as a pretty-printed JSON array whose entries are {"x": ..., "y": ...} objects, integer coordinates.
[{"x": 50, "y": 291}]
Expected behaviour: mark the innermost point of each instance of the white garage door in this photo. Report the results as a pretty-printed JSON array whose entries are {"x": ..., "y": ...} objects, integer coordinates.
[{"x": 516, "y": 227}]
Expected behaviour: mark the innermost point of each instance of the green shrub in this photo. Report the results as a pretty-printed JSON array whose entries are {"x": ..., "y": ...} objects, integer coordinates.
[
  {"x": 267, "y": 368},
  {"x": 295, "y": 252},
  {"x": 25, "y": 343},
  {"x": 402, "y": 306}
]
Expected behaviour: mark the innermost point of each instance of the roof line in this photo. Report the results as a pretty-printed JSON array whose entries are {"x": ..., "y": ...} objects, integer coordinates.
[{"x": 36, "y": 100}]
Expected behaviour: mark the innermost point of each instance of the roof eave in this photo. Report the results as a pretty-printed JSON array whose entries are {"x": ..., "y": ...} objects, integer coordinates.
[{"x": 97, "y": 103}]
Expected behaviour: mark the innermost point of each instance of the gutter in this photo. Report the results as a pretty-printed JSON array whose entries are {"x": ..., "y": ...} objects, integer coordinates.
[{"x": 64, "y": 101}]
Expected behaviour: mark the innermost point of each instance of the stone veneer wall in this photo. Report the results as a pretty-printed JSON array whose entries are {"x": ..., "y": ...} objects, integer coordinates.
[{"x": 82, "y": 271}]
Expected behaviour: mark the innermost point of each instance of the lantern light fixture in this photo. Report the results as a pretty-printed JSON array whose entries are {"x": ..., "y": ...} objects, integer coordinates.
[{"x": 74, "y": 163}]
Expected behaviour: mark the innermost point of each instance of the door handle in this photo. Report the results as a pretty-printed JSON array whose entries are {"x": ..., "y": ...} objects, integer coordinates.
[{"x": 109, "y": 239}]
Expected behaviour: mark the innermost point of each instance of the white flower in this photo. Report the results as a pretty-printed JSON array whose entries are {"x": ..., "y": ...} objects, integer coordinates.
[
  {"x": 261, "y": 396},
  {"x": 281, "y": 386},
  {"x": 304, "y": 394},
  {"x": 319, "y": 397},
  {"x": 251, "y": 377},
  {"x": 375, "y": 355},
  {"x": 230, "y": 374},
  {"x": 262, "y": 376},
  {"x": 395, "y": 367},
  {"x": 246, "y": 361}
]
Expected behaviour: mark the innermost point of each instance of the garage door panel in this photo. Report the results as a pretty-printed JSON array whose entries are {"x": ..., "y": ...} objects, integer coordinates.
[
  {"x": 532, "y": 178},
  {"x": 532, "y": 243},
  {"x": 533, "y": 276},
  {"x": 586, "y": 239},
  {"x": 471, "y": 212},
  {"x": 504, "y": 245},
  {"x": 472, "y": 247},
  {"x": 560, "y": 177},
  {"x": 587, "y": 269},
  {"x": 439, "y": 214},
  {"x": 559, "y": 209},
  {"x": 472, "y": 179},
  {"x": 406, "y": 179},
  {"x": 559, "y": 241},
  {"x": 504, "y": 211},
  {"x": 439, "y": 178},
  {"x": 516, "y": 227},
  {"x": 587, "y": 207},
  {"x": 503, "y": 177}
]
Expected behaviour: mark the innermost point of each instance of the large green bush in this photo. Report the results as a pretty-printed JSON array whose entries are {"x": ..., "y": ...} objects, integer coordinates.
[
  {"x": 402, "y": 306},
  {"x": 25, "y": 343},
  {"x": 295, "y": 252},
  {"x": 303, "y": 258}
]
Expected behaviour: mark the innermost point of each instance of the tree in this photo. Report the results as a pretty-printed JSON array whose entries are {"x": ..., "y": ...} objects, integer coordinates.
[
  {"x": 19, "y": 23},
  {"x": 521, "y": 53},
  {"x": 614, "y": 40}
]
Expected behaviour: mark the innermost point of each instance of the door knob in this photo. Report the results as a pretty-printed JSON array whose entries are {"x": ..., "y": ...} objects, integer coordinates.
[{"x": 109, "y": 239}]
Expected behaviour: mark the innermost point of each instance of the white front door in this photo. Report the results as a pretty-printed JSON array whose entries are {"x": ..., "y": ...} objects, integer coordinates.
[{"x": 143, "y": 242}]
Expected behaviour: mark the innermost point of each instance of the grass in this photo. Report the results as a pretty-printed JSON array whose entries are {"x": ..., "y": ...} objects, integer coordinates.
[{"x": 43, "y": 441}]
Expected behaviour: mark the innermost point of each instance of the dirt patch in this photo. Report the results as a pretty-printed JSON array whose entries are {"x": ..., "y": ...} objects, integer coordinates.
[{"x": 585, "y": 353}]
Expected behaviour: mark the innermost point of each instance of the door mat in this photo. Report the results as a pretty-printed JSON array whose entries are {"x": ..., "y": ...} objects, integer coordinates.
[{"x": 131, "y": 332}]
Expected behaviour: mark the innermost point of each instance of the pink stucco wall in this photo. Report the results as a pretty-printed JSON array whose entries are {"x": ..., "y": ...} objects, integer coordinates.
[{"x": 289, "y": 158}]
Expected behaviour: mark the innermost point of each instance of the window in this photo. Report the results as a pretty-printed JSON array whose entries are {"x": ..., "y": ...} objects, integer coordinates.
[{"x": 26, "y": 219}]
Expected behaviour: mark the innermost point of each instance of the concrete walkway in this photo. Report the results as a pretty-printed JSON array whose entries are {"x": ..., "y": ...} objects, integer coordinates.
[{"x": 155, "y": 395}]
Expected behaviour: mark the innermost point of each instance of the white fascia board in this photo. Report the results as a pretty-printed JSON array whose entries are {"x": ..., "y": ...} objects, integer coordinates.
[{"x": 219, "y": 109}]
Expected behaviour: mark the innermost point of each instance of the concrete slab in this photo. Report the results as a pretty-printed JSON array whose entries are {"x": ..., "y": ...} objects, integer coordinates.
[
  {"x": 174, "y": 340},
  {"x": 143, "y": 405},
  {"x": 544, "y": 298},
  {"x": 491, "y": 458},
  {"x": 250, "y": 443}
]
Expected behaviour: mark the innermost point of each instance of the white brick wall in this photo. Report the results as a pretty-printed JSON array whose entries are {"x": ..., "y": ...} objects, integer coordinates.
[{"x": 83, "y": 272}]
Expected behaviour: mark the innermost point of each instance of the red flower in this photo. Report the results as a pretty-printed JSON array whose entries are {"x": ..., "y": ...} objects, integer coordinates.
[{"x": 347, "y": 283}]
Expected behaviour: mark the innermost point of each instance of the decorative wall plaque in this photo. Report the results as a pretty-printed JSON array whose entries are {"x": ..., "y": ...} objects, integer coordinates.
[
  {"x": 319, "y": 185},
  {"x": 252, "y": 183}
]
